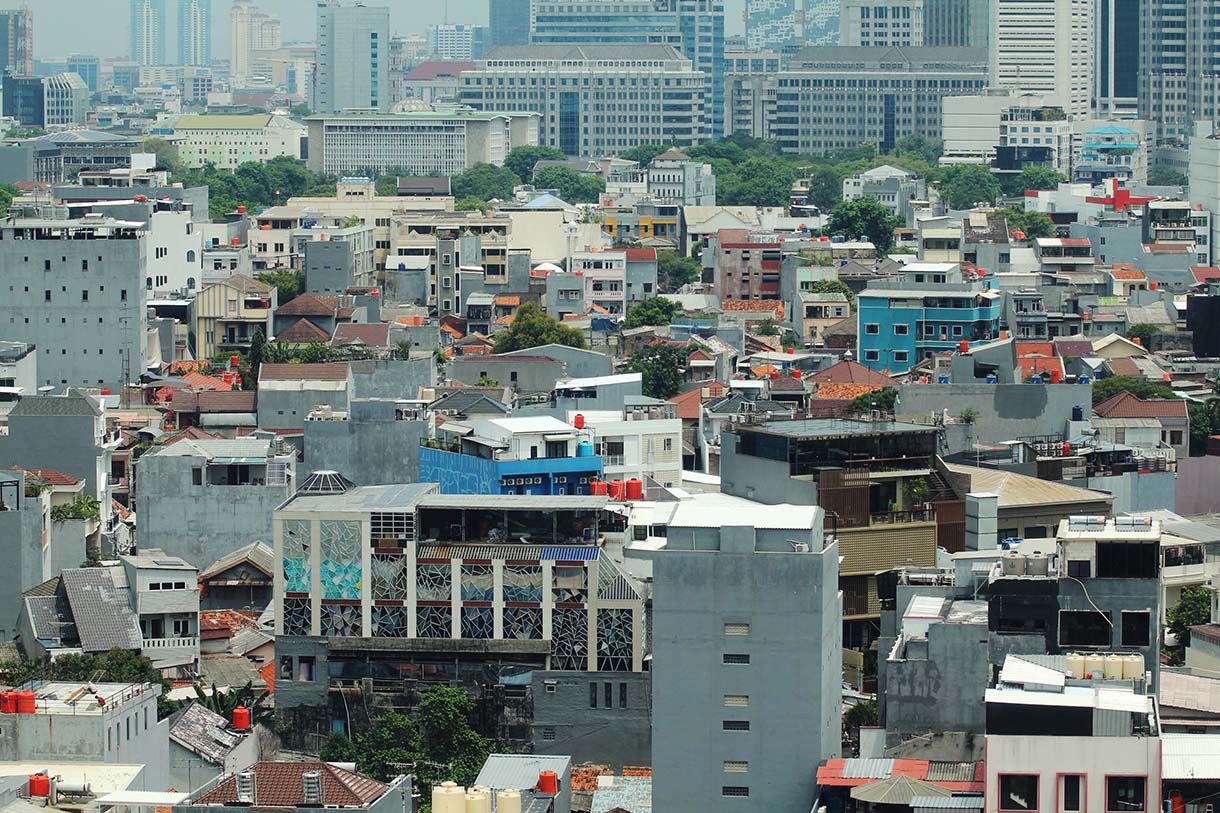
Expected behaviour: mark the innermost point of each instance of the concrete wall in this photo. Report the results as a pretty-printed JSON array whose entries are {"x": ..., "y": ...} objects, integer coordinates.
[
  {"x": 530, "y": 376},
  {"x": 791, "y": 603},
  {"x": 20, "y": 546},
  {"x": 392, "y": 378},
  {"x": 1005, "y": 411},
  {"x": 65, "y": 443},
  {"x": 1134, "y": 492},
  {"x": 189, "y": 771},
  {"x": 1194, "y": 489},
  {"x": 328, "y": 266},
  {"x": 369, "y": 448},
  {"x": 200, "y": 523},
  {"x": 943, "y": 692},
  {"x": 759, "y": 478},
  {"x": 614, "y": 736},
  {"x": 287, "y": 409},
  {"x": 577, "y": 363}
]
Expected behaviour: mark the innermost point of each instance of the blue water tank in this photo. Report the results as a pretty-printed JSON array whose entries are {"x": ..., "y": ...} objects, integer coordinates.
[
  {"x": 992, "y": 379},
  {"x": 1037, "y": 379},
  {"x": 1084, "y": 379},
  {"x": 584, "y": 449},
  {"x": 942, "y": 379},
  {"x": 1077, "y": 413}
]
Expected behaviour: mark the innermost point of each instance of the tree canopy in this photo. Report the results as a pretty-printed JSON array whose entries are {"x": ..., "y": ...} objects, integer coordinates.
[
  {"x": 644, "y": 153},
  {"x": 674, "y": 270},
  {"x": 484, "y": 182},
  {"x": 521, "y": 160},
  {"x": 654, "y": 311},
  {"x": 661, "y": 365},
  {"x": 833, "y": 286},
  {"x": 573, "y": 186},
  {"x": 1032, "y": 178},
  {"x": 867, "y": 217},
  {"x": 1163, "y": 176},
  {"x": 965, "y": 185},
  {"x": 1193, "y": 608},
  {"x": 1107, "y": 388},
  {"x": 1030, "y": 223},
  {"x": 532, "y": 327}
]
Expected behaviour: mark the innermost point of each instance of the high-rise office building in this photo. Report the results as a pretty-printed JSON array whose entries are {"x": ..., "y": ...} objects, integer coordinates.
[
  {"x": 148, "y": 32},
  {"x": 694, "y": 27},
  {"x": 87, "y": 67},
  {"x": 1179, "y": 74},
  {"x": 458, "y": 42},
  {"x": 881, "y": 23},
  {"x": 772, "y": 24},
  {"x": 250, "y": 30},
  {"x": 957, "y": 23},
  {"x": 1118, "y": 58},
  {"x": 1045, "y": 47},
  {"x": 17, "y": 41},
  {"x": 509, "y": 21},
  {"x": 353, "y": 58},
  {"x": 195, "y": 32}
]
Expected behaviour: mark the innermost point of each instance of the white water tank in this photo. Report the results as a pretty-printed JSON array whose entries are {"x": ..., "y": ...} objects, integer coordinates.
[
  {"x": 1133, "y": 666},
  {"x": 478, "y": 800},
  {"x": 508, "y": 801},
  {"x": 1012, "y": 564},
  {"x": 448, "y": 797},
  {"x": 1037, "y": 564},
  {"x": 1114, "y": 667},
  {"x": 1094, "y": 665},
  {"x": 1075, "y": 665}
]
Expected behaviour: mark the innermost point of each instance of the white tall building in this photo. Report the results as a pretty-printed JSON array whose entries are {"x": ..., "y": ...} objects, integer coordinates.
[
  {"x": 456, "y": 41},
  {"x": 65, "y": 99},
  {"x": 195, "y": 32},
  {"x": 353, "y": 69},
  {"x": 881, "y": 23},
  {"x": 1205, "y": 172},
  {"x": 251, "y": 30},
  {"x": 148, "y": 32},
  {"x": 1045, "y": 46}
]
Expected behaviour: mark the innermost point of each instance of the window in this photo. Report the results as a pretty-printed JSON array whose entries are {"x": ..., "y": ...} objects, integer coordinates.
[
  {"x": 592, "y": 695},
  {"x": 1018, "y": 792},
  {"x": 738, "y": 700},
  {"x": 46, "y": 296},
  {"x": 1125, "y": 794},
  {"x": 736, "y": 629},
  {"x": 609, "y": 692},
  {"x": 1069, "y": 794},
  {"x": 872, "y": 329},
  {"x": 1175, "y": 437},
  {"x": 734, "y": 790},
  {"x": 736, "y": 766},
  {"x": 285, "y": 667},
  {"x": 622, "y": 695},
  {"x": 735, "y": 725},
  {"x": 736, "y": 659},
  {"x": 309, "y": 667},
  {"x": 548, "y": 734},
  {"x": 550, "y": 686},
  {"x": 84, "y": 297},
  {"x": 1079, "y": 568},
  {"x": 901, "y": 355},
  {"x": 1084, "y": 628},
  {"x": 182, "y": 627},
  {"x": 901, "y": 330},
  {"x": 197, "y": 476},
  {"x": 667, "y": 445},
  {"x": 871, "y": 355},
  {"x": 1136, "y": 628}
]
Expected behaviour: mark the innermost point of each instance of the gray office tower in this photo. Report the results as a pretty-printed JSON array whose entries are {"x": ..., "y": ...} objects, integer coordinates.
[
  {"x": 747, "y": 659},
  {"x": 17, "y": 41},
  {"x": 1179, "y": 74},
  {"x": 957, "y": 23},
  {"x": 1118, "y": 58},
  {"x": 694, "y": 27},
  {"x": 509, "y": 21},
  {"x": 353, "y": 67},
  {"x": 76, "y": 290}
]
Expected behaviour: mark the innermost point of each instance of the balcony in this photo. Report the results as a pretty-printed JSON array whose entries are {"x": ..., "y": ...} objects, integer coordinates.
[{"x": 178, "y": 642}]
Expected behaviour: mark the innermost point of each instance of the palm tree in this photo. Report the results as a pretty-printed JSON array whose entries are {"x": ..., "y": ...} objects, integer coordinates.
[{"x": 223, "y": 703}]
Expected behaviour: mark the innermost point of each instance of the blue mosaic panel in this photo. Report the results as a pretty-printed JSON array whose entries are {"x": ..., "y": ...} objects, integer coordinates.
[
  {"x": 390, "y": 622},
  {"x": 341, "y": 620},
  {"x": 340, "y": 570},
  {"x": 390, "y": 576},
  {"x": 298, "y": 576},
  {"x": 569, "y": 639},
  {"x": 478, "y": 583},
  {"x": 523, "y": 623},
  {"x": 298, "y": 616},
  {"x": 523, "y": 583},
  {"x": 614, "y": 632},
  {"x": 433, "y": 583},
  {"x": 433, "y": 622},
  {"x": 478, "y": 622}
]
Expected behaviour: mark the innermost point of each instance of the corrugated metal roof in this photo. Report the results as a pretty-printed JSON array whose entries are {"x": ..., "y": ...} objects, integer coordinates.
[
  {"x": 950, "y": 772},
  {"x": 571, "y": 553},
  {"x": 1190, "y": 756},
  {"x": 971, "y": 801},
  {"x": 867, "y": 768},
  {"x": 519, "y": 771},
  {"x": 104, "y": 621}
]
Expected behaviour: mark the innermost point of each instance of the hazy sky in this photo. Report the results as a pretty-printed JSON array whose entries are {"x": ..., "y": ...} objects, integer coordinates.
[{"x": 99, "y": 27}]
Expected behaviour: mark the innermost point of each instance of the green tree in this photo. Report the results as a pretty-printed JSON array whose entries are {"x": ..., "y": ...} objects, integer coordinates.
[
  {"x": 833, "y": 286},
  {"x": 573, "y": 186},
  {"x": 469, "y": 205},
  {"x": 300, "y": 110},
  {"x": 1163, "y": 176},
  {"x": 757, "y": 181},
  {"x": 1032, "y": 178},
  {"x": 661, "y": 365},
  {"x": 7, "y": 194},
  {"x": 532, "y": 327},
  {"x": 1194, "y": 608},
  {"x": 766, "y": 327},
  {"x": 389, "y": 748},
  {"x": 674, "y": 270},
  {"x": 864, "y": 216},
  {"x": 486, "y": 381},
  {"x": 1031, "y": 224},
  {"x": 654, "y": 311},
  {"x": 288, "y": 284},
  {"x": 1202, "y": 426},
  {"x": 167, "y": 153},
  {"x": 521, "y": 160},
  {"x": 446, "y": 736},
  {"x": 1107, "y": 388},
  {"x": 965, "y": 185},
  {"x": 485, "y": 182},
  {"x": 1143, "y": 332},
  {"x": 919, "y": 146},
  {"x": 883, "y": 400},
  {"x": 338, "y": 748},
  {"x": 644, "y": 153},
  {"x": 825, "y": 187},
  {"x": 254, "y": 358}
]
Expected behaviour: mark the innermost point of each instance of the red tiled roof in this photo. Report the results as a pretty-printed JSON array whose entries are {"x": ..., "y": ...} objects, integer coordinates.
[
  {"x": 641, "y": 254},
  {"x": 309, "y": 305},
  {"x": 851, "y": 372},
  {"x": 278, "y": 784},
  {"x": 754, "y": 306},
  {"x": 845, "y": 392},
  {"x": 190, "y": 433},
  {"x": 1118, "y": 273},
  {"x": 1126, "y": 405},
  {"x": 1125, "y": 366},
  {"x": 331, "y": 371},
  {"x": 375, "y": 335},
  {"x": 452, "y": 331},
  {"x": 690, "y": 401},
  {"x": 303, "y": 331},
  {"x": 508, "y": 300},
  {"x": 438, "y": 69},
  {"x": 199, "y": 381},
  {"x": 1205, "y": 273},
  {"x": 410, "y": 321},
  {"x": 268, "y": 675},
  {"x": 215, "y": 402},
  {"x": 1035, "y": 349},
  {"x": 52, "y": 477},
  {"x": 1040, "y": 365},
  {"x": 507, "y": 359}
]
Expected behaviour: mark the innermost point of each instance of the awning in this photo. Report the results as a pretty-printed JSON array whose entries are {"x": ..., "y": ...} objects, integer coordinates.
[
  {"x": 238, "y": 461},
  {"x": 562, "y": 436},
  {"x": 143, "y": 798},
  {"x": 897, "y": 790}
]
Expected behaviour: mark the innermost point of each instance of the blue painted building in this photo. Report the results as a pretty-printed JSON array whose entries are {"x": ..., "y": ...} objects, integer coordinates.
[
  {"x": 535, "y": 455},
  {"x": 929, "y": 309}
]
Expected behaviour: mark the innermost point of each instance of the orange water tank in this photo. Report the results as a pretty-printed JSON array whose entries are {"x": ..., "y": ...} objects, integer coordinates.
[
  {"x": 40, "y": 784},
  {"x": 963, "y": 346},
  {"x": 8, "y": 702},
  {"x": 635, "y": 489},
  {"x": 548, "y": 782},
  {"x": 27, "y": 702},
  {"x": 241, "y": 718},
  {"x": 236, "y": 241},
  {"x": 617, "y": 489},
  {"x": 241, "y": 210},
  {"x": 796, "y": 373},
  {"x": 579, "y": 421},
  {"x": 597, "y": 488}
]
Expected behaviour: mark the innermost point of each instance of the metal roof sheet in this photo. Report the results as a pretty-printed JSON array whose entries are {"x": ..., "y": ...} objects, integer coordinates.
[
  {"x": 950, "y": 772},
  {"x": 859, "y": 768},
  {"x": 962, "y": 801},
  {"x": 1190, "y": 756},
  {"x": 519, "y": 771}
]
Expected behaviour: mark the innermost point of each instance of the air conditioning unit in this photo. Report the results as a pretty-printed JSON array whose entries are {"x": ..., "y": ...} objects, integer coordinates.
[{"x": 245, "y": 787}]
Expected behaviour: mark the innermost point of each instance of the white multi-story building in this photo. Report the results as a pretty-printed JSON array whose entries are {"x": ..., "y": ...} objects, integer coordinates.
[
  {"x": 605, "y": 275},
  {"x": 444, "y": 141},
  {"x": 1045, "y": 46},
  {"x": 251, "y": 30},
  {"x": 971, "y": 124},
  {"x": 594, "y": 99},
  {"x": 164, "y": 594},
  {"x": 674, "y": 178},
  {"x": 65, "y": 100},
  {"x": 1205, "y": 171},
  {"x": 225, "y": 142},
  {"x": 456, "y": 41},
  {"x": 195, "y": 32},
  {"x": 880, "y": 24},
  {"x": 642, "y": 440},
  {"x": 147, "y": 32}
]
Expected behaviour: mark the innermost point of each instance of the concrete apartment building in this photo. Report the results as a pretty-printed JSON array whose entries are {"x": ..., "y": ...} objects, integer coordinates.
[
  {"x": 738, "y": 672},
  {"x": 228, "y": 141},
  {"x": 869, "y": 23},
  {"x": 443, "y": 141},
  {"x": 642, "y": 440},
  {"x": 1177, "y": 72},
  {"x": 541, "y": 78},
  {"x": 164, "y": 594},
  {"x": 226, "y": 315},
  {"x": 134, "y": 176},
  {"x": 1046, "y": 48},
  {"x": 75, "y": 290},
  {"x": 832, "y": 97},
  {"x": 353, "y": 60},
  {"x": 65, "y": 100}
]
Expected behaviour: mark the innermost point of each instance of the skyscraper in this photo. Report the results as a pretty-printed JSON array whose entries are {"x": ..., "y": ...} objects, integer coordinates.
[
  {"x": 17, "y": 41},
  {"x": 694, "y": 27},
  {"x": 957, "y": 23},
  {"x": 353, "y": 58},
  {"x": 772, "y": 24},
  {"x": 509, "y": 21},
  {"x": 148, "y": 32},
  {"x": 250, "y": 30},
  {"x": 1178, "y": 74},
  {"x": 195, "y": 32},
  {"x": 1047, "y": 47}
]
